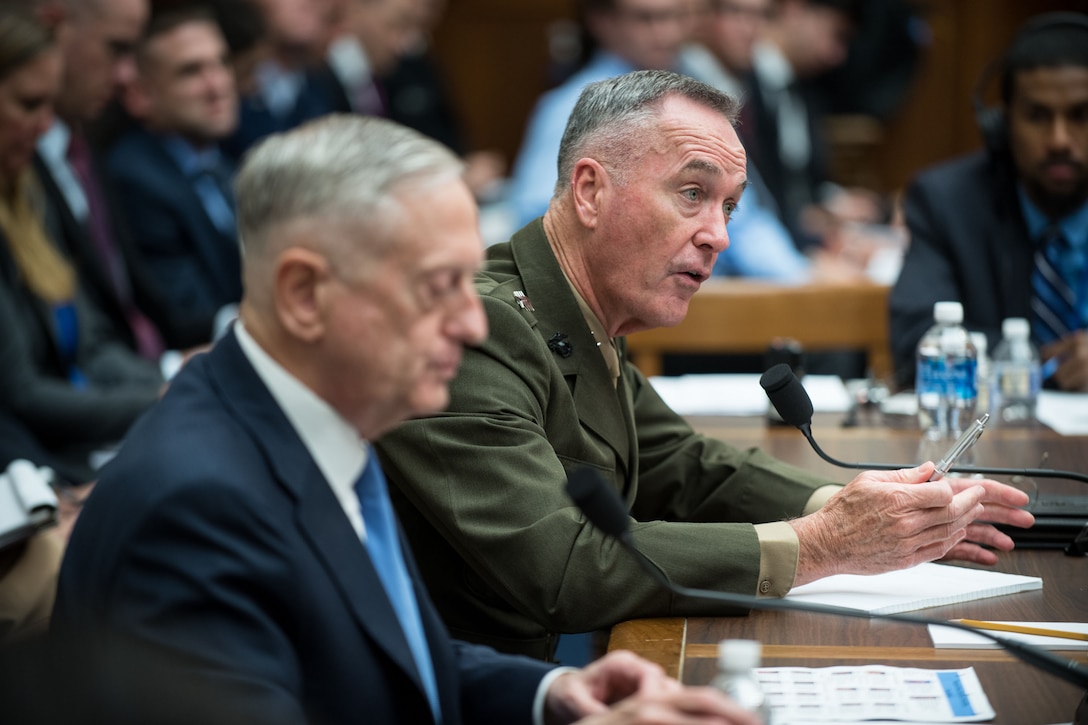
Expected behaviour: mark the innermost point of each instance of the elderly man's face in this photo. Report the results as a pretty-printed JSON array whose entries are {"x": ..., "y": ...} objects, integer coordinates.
[
  {"x": 398, "y": 330},
  {"x": 1048, "y": 135},
  {"x": 657, "y": 236}
]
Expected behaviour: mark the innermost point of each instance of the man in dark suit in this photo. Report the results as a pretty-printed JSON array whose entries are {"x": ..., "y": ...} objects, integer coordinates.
[
  {"x": 980, "y": 226},
  {"x": 653, "y": 171},
  {"x": 98, "y": 39},
  {"x": 238, "y": 561},
  {"x": 176, "y": 184},
  {"x": 291, "y": 84}
]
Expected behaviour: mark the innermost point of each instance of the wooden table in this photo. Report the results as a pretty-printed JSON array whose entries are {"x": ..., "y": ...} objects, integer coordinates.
[{"x": 1020, "y": 694}]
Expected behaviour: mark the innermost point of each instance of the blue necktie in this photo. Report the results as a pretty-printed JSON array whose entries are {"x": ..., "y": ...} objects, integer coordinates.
[
  {"x": 384, "y": 547},
  {"x": 1054, "y": 303},
  {"x": 212, "y": 184}
]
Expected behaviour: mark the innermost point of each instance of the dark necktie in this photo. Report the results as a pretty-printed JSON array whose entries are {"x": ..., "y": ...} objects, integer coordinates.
[
  {"x": 369, "y": 98},
  {"x": 383, "y": 545},
  {"x": 149, "y": 342},
  {"x": 1053, "y": 303}
]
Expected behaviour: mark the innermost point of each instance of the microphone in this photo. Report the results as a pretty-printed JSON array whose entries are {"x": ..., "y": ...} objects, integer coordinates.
[
  {"x": 791, "y": 401},
  {"x": 603, "y": 508}
]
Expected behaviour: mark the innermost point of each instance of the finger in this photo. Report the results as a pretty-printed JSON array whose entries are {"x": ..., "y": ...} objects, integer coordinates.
[
  {"x": 1004, "y": 515},
  {"x": 996, "y": 492},
  {"x": 969, "y": 552},
  {"x": 986, "y": 535}
]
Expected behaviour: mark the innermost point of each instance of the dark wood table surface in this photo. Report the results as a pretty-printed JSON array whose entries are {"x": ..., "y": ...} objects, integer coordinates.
[{"x": 1019, "y": 693}]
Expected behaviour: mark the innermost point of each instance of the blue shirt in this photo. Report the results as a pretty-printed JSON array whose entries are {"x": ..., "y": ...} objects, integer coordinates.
[
  {"x": 536, "y": 167},
  {"x": 759, "y": 245},
  {"x": 209, "y": 172}
]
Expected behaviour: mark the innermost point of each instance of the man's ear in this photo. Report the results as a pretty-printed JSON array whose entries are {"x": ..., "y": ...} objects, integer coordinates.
[
  {"x": 588, "y": 182},
  {"x": 301, "y": 285}
]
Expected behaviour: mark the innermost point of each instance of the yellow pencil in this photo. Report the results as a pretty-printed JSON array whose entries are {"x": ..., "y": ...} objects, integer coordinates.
[{"x": 1022, "y": 629}]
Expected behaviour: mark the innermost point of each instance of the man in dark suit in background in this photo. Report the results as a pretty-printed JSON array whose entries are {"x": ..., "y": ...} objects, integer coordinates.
[
  {"x": 239, "y": 560},
  {"x": 98, "y": 39},
  {"x": 983, "y": 227},
  {"x": 175, "y": 183}
]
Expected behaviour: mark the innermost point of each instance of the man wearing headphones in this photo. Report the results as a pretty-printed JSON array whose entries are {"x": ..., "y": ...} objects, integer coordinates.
[{"x": 1005, "y": 232}]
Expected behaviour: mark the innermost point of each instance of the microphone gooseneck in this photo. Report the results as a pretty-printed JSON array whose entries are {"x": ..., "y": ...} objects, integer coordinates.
[
  {"x": 792, "y": 402},
  {"x": 603, "y": 508}
]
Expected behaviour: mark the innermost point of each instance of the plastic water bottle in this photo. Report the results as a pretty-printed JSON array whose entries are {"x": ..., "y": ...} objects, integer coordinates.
[
  {"x": 984, "y": 379},
  {"x": 1016, "y": 372},
  {"x": 737, "y": 661},
  {"x": 945, "y": 380}
]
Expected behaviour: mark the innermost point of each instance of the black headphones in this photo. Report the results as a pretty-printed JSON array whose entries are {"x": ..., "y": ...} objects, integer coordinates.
[{"x": 991, "y": 119}]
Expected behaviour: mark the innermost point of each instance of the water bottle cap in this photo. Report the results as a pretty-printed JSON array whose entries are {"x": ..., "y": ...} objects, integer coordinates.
[
  {"x": 1016, "y": 327},
  {"x": 739, "y": 654},
  {"x": 948, "y": 313}
]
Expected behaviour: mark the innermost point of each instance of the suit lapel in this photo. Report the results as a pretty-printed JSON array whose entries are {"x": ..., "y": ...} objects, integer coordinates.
[
  {"x": 557, "y": 311},
  {"x": 320, "y": 516}
]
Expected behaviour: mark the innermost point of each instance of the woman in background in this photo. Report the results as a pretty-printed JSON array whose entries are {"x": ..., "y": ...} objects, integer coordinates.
[{"x": 61, "y": 376}]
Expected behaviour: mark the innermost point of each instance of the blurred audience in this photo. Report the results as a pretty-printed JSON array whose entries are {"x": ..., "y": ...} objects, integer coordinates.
[
  {"x": 64, "y": 375},
  {"x": 175, "y": 182},
  {"x": 628, "y": 35},
  {"x": 290, "y": 84},
  {"x": 419, "y": 97},
  {"x": 375, "y": 35},
  {"x": 1005, "y": 231},
  {"x": 83, "y": 214},
  {"x": 783, "y": 133}
]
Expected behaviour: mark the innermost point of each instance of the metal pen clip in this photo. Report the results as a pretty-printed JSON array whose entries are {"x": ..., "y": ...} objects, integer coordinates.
[{"x": 965, "y": 441}]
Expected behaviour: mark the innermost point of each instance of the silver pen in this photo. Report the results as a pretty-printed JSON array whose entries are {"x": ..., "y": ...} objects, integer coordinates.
[{"x": 965, "y": 441}]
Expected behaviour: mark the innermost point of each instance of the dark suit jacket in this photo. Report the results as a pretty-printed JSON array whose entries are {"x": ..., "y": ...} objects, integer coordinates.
[
  {"x": 968, "y": 243},
  {"x": 759, "y": 132},
  {"x": 321, "y": 95},
  {"x": 74, "y": 237},
  {"x": 214, "y": 575},
  {"x": 197, "y": 267},
  {"x": 34, "y": 384},
  {"x": 510, "y": 561}
]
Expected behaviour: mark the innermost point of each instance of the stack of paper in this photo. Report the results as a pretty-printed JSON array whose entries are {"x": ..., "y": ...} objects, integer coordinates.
[{"x": 927, "y": 585}]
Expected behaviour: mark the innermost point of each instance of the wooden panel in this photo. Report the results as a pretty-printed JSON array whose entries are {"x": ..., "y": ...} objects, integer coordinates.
[{"x": 740, "y": 316}]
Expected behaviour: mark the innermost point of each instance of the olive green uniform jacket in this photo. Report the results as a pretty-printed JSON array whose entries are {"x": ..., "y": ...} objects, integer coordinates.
[{"x": 508, "y": 558}]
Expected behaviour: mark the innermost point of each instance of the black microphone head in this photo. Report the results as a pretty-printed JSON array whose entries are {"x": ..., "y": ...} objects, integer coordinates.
[
  {"x": 600, "y": 503},
  {"x": 787, "y": 395}
]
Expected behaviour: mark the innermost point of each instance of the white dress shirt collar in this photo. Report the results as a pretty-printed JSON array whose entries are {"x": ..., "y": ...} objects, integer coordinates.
[{"x": 335, "y": 446}]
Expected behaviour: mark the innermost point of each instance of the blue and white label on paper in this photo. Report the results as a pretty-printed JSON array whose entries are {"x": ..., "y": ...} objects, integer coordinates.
[
  {"x": 799, "y": 695},
  {"x": 957, "y": 696}
]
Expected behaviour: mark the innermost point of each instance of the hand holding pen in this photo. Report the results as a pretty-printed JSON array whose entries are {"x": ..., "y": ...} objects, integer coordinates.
[{"x": 962, "y": 444}]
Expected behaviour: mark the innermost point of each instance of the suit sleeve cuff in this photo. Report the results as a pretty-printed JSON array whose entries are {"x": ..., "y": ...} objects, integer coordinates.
[
  {"x": 819, "y": 497},
  {"x": 542, "y": 692},
  {"x": 778, "y": 550}
]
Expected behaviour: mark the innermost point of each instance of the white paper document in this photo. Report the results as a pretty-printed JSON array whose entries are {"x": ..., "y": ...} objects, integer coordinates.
[
  {"x": 1066, "y": 413},
  {"x": 799, "y": 695},
  {"x": 925, "y": 585},
  {"x": 711, "y": 394},
  {"x": 949, "y": 638}
]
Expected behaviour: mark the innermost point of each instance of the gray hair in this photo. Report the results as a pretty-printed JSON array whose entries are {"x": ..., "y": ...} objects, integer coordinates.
[
  {"x": 611, "y": 115},
  {"x": 339, "y": 168}
]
